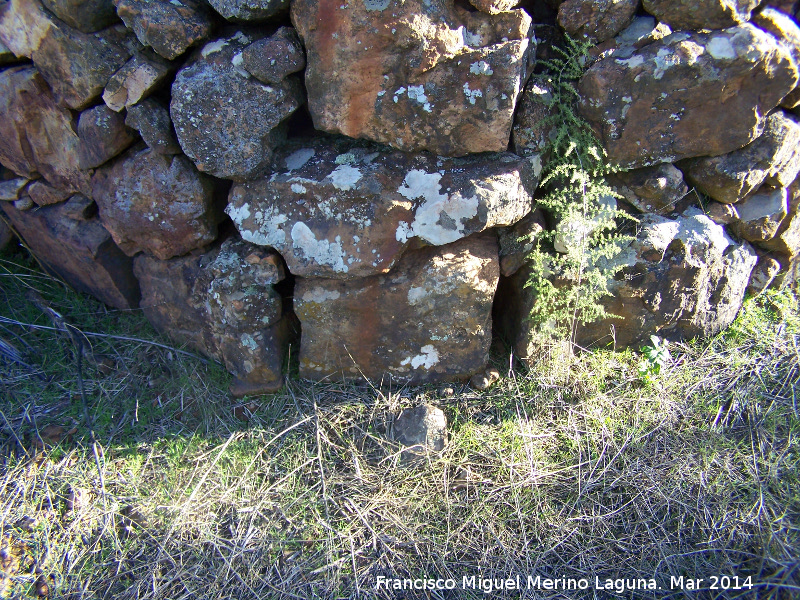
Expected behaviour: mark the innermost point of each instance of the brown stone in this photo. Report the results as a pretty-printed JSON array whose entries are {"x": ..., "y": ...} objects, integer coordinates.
[
  {"x": 427, "y": 320},
  {"x": 224, "y": 304},
  {"x": 87, "y": 16},
  {"x": 156, "y": 203},
  {"x": 23, "y": 25},
  {"x": 772, "y": 159},
  {"x": 45, "y": 195},
  {"x": 760, "y": 216},
  {"x": 273, "y": 58},
  {"x": 249, "y": 10},
  {"x": 786, "y": 240},
  {"x": 103, "y": 135},
  {"x": 416, "y": 75},
  {"x": 227, "y": 122},
  {"x": 517, "y": 241},
  {"x": 79, "y": 250},
  {"x": 722, "y": 214},
  {"x": 731, "y": 79},
  {"x": 657, "y": 189},
  {"x": 344, "y": 209},
  {"x": 494, "y": 7},
  {"x": 786, "y": 31},
  {"x": 701, "y": 14},
  {"x": 170, "y": 27},
  {"x": 535, "y": 121},
  {"x": 38, "y": 135},
  {"x": 596, "y": 20},
  {"x": 12, "y": 189},
  {"x": 763, "y": 275},
  {"x": 152, "y": 122},
  {"x": 137, "y": 79}
]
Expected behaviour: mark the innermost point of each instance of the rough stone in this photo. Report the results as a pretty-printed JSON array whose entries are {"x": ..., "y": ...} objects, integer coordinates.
[
  {"x": 44, "y": 195},
  {"x": 427, "y": 320},
  {"x": 11, "y": 189},
  {"x": 6, "y": 56},
  {"x": 416, "y": 75},
  {"x": 344, "y": 209},
  {"x": 152, "y": 121},
  {"x": 224, "y": 304},
  {"x": 494, "y": 7},
  {"x": 79, "y": 250},
  {"x": 6, "y": 235},
  {"x": 786, "y": 31},
  {"x": 249, "y": 10},
  {"x": 23, "y": 204},
  {"x": 596, "y": 20},
  {"x": 772, "y": 159},
  {"x": 421, "y": 431},
  {"x": 761, "y": 215},
  {"x": 763, "y": 275},
  {"x": 731, "y": 79},
  {"x": 87, "y": 16},
  {"x": 103, "y": 135},
  {"x": 168, "y": 27},
  {"x": 137, "y": 79},
  {"x": 786, "y": 240},
  {"x": 273, "y": 58},
  {"x": 533, "y": 124},
  {"x": 38, "y": 135},
  {"x": 656, "y": 189},
  {"x": 77, "y": 66},
  {"x": 156, "y": 203},
  {"x": 23, "y": 25},
  {"x": 517, "y": 241},
  {"x": 701, "y": 14},
  {"x": 227, "y": 122},
  {"x": 722, "y": 214}
]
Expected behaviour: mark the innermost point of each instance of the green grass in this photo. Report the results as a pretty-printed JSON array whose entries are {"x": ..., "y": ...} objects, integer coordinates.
[{"x": 581, "y": 471}]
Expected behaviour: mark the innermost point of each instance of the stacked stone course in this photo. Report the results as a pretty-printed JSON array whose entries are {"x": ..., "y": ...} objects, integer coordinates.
[{"x": 358, "y": 178}]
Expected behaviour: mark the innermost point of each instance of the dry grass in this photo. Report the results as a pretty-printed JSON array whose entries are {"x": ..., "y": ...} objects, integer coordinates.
[{"x": 566, "y": 473}]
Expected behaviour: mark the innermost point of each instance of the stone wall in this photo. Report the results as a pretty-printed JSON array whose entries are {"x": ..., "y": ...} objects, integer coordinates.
[{"x": 352, "y": 178}]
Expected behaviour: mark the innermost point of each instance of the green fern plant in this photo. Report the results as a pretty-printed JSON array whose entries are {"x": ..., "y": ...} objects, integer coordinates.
[{"x": 570, "y": 284}]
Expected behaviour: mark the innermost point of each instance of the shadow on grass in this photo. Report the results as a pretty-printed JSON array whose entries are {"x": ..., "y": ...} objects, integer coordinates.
[{"x": 596, "y": 480}]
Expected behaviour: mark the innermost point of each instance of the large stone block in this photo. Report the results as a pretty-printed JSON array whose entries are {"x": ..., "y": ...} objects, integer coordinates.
[
  {"x": 344, "y": 209},
  {"x": 227, "y": 122},
  {"x": 156, "y": 203},
  {"x": 170, "y": 27},
  {"x": 69, "y": 240},
  {"x": 414, "y": 74},
  {"x": 224, "y": 304},
  {"x": 427, "y": 320},
  {"x": 701, "y": 14},
  {"x": 596, "y": 20},
  {"x": 687, "y": 95}
]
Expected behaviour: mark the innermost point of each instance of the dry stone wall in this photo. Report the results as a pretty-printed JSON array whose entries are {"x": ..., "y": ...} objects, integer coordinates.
[{"x": 358, "y": 179}]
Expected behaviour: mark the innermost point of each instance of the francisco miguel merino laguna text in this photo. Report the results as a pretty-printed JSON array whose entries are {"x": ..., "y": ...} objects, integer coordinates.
[{"x": 489, "y": 585}]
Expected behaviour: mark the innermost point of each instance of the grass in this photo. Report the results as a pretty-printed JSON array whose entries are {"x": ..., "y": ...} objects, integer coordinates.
[{"x": 585, "y": 471}]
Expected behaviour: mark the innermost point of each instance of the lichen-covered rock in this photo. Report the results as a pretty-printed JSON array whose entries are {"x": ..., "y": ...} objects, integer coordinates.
[
  {"x": 137, "y": 79},
  {"x": 249, "y": 10},
  {"x": 761, "y": 215},
  {"x": 534, "y": 125},
  {"x": 427, "y": 320},
  {"x": 224, "y": 304},
  {"x": 786, "y": 240},
  {"x": 227, "y": 122},
  {"x": 656, "y": 189},
  {"x": 682, "y": 278},
  {"x": 763, "y": 274},
  {"x": 66, "y": 239},
  {"x": 786, "y": 31},
  {"x": 156, "y": 203},
  {"x": 87, "y": 16},
  {"x": 344, "y": 209},
  {"x": 687, "y": 95},
  {"x": 701, "y": 14},
  {"x": 45, "y": 195},
  {"x": 103, "y": 135},
  {"x": 596, "y": 20},
  {"x": 772, "y": 159},
  {"x": 170, "y": 27},
  {"x": 272, "y": 59},
  {"x": 416, "y": 75},
  {"x": 38, "y": 135},
  {"x": 494, "y": 7},
  {"x": 152, "y": 121}
]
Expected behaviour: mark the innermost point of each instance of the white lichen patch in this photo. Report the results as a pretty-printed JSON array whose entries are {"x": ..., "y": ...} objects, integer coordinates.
[
  {"x": 212, "y": 47},
  {"x": 720, "y": 47},
  {"x": 665, "y": 59},
  {"x": 428, "y": 357},
  {"x": 344, "y": 177},
  {"x": 417, "y": 93},
  {"x": 319, "y": 295},
  {"x": 481, "y": 67},
  {"x": 298, "y": 188},
  {"x": 415, "y": 294},
  {"x": 249, "y": 342},
  {"x": 472, "y": 95},
  {"x": 321, "y": 252},
  {"x": 299, "y": 158},
  {"x": 632, "y": 62}
]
